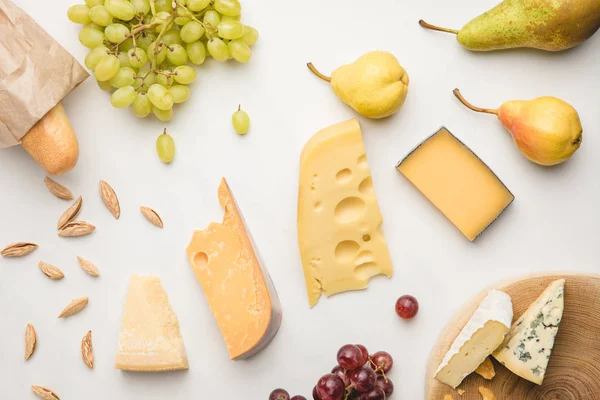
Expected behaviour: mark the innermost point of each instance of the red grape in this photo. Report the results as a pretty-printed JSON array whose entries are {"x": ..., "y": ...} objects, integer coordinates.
[
  {"x": 375, "y": 394},
  {"x": 365, "y": 354},
  {"x": 386, "y": 385},
  {"x": 342, "y": 373},
  {"x": 349, "y": 357},
  {"x": 363, "y": 379},
  {"x": 330, "y": 387},
  {"x": 407, "y": 306},
  {"x": 315, "y": 395},
  {"x": 383, "y": 361},
  {"x": 298, "y": 397},
  {"x": 279, "y": 394}
]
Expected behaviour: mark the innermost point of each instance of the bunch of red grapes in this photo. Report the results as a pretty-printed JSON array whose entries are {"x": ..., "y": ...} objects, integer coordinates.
[{"x": 358, "y": 376}]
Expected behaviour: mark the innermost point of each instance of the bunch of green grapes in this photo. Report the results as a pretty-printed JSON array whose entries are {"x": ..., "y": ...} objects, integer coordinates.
[{"x": 141, "y": 49}]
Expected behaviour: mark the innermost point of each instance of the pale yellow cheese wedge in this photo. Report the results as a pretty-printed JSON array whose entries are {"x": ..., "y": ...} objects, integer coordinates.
[{"x": 239, "y": 291}]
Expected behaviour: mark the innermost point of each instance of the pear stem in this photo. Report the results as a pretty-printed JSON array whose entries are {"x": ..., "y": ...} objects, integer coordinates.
[
  {"x": 317, "y": 73},
  {"x": 437, "y": 28},
  {"x": 471, "y": 106}
]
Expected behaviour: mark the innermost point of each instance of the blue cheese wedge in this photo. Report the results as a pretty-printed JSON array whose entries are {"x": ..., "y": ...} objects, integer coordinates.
[
  {"x": 527, "y": 348},
  {"x": 482, "y": 334}
]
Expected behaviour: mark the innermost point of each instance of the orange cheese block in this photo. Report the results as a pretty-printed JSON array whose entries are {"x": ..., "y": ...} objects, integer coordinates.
[
  {"x": 239, "y": 291},
  {"x": 457, "y": 182}
]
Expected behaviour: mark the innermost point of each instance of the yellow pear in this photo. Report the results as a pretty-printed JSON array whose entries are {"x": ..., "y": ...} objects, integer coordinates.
[
  {"x": 375, "y": 85},
  {"x": 546, "y": 130}
]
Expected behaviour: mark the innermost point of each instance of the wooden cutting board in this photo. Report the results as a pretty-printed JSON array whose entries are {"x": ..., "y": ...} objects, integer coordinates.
[{"x": 574, "y": 369}]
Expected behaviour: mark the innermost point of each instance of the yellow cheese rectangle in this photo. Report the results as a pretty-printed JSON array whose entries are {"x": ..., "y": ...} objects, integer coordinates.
[{"x": 457, "y": 182}]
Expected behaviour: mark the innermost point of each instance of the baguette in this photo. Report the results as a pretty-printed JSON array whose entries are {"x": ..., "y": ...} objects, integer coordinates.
[{"x": 52, "y": 143}]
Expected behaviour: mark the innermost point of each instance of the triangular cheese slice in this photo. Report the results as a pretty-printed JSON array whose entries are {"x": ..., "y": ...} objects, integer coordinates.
[
  {"x": 150, "y": 339},
  {"x": 527, "y": 347}
]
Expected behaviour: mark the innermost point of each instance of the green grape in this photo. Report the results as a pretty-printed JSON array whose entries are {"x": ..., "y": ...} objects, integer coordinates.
[
  {"x": 180, "y": 2},
  {"x": 163, "y": 6},
  {"x": 125, "y": 77},
  {"x": 185, "y": 74},
  {"x": 160, "y": 97},
  {"x": 196, "y": 52},
  {"x": 141, "y": 6},
  {"x": 107, "y": 67},
  {"x": 172, "y": 37},
  {"x": 165, "y": 80},
  {"x": 250, "y": 35},
  {"x": 100, "y": 15},
  {"x": 93, "y": 3},
  {"x": 240, "y": 121},
  {"x": 116, "y": 33},
  {"x": 123, "y": 60},
  {"x": 120, "y": 9},
  {"x": 231, "y": 30},
  {"x": 80, "y": 14},
  {"x": 180, "y": 93},
  {"x": 165, "y": 147},
  {"x": 240, "y": 51},
  {"x": 94, "y": 56},
  {"x": 197, "y": 5},
  {"x": 161, "y": 18},
  {"x": 105, "y": 85},
  {"x": 95, "y": 26},
  {"x": 230, "y": 8},
  {"x": 141, "y": 106},
  {"x": 126, "y": 45},
  {"x": 137, "y": 57},
  {"x": 176, "y": 54},
  {"x": 181, "y": 21},
  {"x": 213, "y": 19},
  {"x": 159, "y": 55},
  {"x": 191, "y": 32},
  {"x": 163, "y": 115},
  {"x": 90, "y": 37},
  {"x": 228, "y": 18},
  {"x": 218, "y": 49},
  {"x": 145, "y": 40},
  {"x": 123, "y": 97}
]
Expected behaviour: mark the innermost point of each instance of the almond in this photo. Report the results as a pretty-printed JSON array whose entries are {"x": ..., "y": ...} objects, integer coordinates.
[
  {"x": 110, "y": 199},
  {"x": 18, "y": 249},
  {"x": 30, "y": 341},
  {"x": 87, "y": 352},
  {"x": 69, "y": 214},
  {"x": 44, "y": 393},
  {"x": 151, "y": 216},
  {"x": 74, "y": 307},
  {"x": 88, "y": 267},
  {"x": 51, "y": 271},
  {"x": 76, "y": 228},
  {"x": 58, "y": 190}
]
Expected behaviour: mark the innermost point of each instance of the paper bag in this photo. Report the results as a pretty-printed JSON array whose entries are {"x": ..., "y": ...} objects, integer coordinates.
[{"x": 36, "y": 73}]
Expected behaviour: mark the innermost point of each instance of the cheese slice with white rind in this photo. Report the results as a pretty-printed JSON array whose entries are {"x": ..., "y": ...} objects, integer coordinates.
[{"x": 482, "y": 334}]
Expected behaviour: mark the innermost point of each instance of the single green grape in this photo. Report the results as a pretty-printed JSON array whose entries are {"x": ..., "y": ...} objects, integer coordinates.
[
  {"x": 123, "y": 60},
  {"x": 160, "y": 97},
  {"x": 107, "y": 67},
  {"x": 180, "y": 93},
  {"x": 165, "y": 147},
  {"x": 196, "y": 52},
  {"x": 126, "y": 45},
  {"x": 218, "y": 49},
  {"x": 105, "y": 85},
  {"x": 197, "y": 5},
  {"x": 141, "y": 106},
  {"x": 123, "y": 97},
  {"x": 213, "y": 19},
  {"x": 120, "y": 9},
  {"x": 94, "y": 56},
  {"x": 153, "y": 54},
  {"x": 239, "y": 50},
  {"x": 250, "y": 35},
  {"x": 230, "y": 8},
  {"x": 176, "y": 54},
  {"x": 137, "y": 57},
  {"x": 125, "y": 77},
  {"x": 240, "y": 121},
  {"x": 172, "y": 37},
  {"x": 165, "y": 80},
  {"x": 92, "y": 3},
  {"x": 100, "y": 15},
  {"x": 191, "y": 32},
  {"x": 181, "y": 21},
  {"x": 90, "y": 37},
  {"x": 144, "y": 40},
  {"x": 162, "y": 6},
  {"x": 80, "y": 14},
  {"x": 95, "y": 26},
  {"x": 228, "y": 18},
  {"x": 116, "y": 33},
  {"x": 163, "y": 115},
  {"x": 184, "y": 74},
  {"x": 141, "y": 6},
  {"x": 231, "y": 30}
]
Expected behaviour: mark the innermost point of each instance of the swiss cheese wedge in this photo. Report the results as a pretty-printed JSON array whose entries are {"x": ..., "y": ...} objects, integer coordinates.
[
  {"x": 339, "y": 222},
  {"x": 150, "y": 339},
  {"x": 239, "y": 291}
]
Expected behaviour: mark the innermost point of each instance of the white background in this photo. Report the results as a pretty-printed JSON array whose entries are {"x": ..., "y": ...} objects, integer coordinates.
[{"x": 552, "y": 225}]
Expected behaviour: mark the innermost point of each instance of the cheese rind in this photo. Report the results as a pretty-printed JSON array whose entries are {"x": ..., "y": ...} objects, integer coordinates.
[
  {"x": 528, "y": 346},
  {"x": 339, "y": 222},
  {"x": 239, "y": 291},
  {"x": 457, "y": 182},
  {"x": 150, "y": 338},
  {"x": 482, "y": 334}
]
